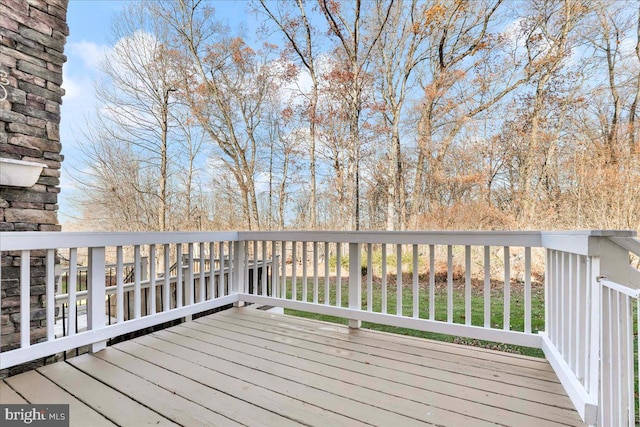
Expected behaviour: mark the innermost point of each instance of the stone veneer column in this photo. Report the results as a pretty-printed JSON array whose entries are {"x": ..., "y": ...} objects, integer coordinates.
[{"x": 32, "y": 39}]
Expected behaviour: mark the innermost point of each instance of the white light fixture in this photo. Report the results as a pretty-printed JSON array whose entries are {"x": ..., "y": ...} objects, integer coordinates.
[{"x": 19, "y": 173}]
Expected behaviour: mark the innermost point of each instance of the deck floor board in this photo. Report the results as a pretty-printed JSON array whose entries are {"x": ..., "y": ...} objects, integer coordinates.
[{"x": 254, "y": 368}]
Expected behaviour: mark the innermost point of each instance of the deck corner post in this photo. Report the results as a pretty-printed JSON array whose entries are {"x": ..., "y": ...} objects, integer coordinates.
[
  {"x": 97, "y": 294},
  {"x": 355, "y": 282},
  {"x": 239, "y": 283}
]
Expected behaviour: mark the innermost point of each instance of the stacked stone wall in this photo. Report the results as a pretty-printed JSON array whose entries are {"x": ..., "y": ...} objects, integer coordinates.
[{"x": 32, "y": 38}]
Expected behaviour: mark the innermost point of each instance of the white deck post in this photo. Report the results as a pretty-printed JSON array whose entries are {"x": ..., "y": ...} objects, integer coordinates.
[
  {"x": 96, "y": 287},
  {"x": 238, "y": 284},
  {"x": 355, "y": 282}
]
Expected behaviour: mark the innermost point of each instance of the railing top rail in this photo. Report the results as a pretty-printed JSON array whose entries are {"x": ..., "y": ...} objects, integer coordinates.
[
  {"x": 12, "y": 241},
  {"x": 33, "y": 240},
  {"x": 489, "y": 238},
  {"x": 581, "y": 242},
  {"x": 631, "y": 244}
]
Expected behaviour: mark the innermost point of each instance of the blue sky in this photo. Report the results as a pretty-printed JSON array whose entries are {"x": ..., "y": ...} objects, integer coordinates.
[{"x": 89, "y": 25}]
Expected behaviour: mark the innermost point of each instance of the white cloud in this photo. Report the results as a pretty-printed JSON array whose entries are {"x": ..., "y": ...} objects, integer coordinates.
[
  {"x": 90, "y": 53},
  {"x": 73, "y": 88}
]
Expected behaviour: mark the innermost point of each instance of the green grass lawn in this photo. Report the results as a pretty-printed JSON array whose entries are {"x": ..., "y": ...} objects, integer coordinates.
[{"x": 440, "y": 306}]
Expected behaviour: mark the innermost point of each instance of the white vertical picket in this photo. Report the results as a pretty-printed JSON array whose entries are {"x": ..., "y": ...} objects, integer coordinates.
[
  {"x": 338, "y": 274},
  {"x": 399, "y": 280},
  {"x": 305, "y": 286},
  {"x": 384, "y": 278},
  {"x": 212, "y": 276},
  {"x": 327, "y": 300},
  {"x": 432, "y": 282},
  {"x": 416, "y": 288},
  {"x": 449, "y": 283},
  {"x": 221, "y": 275},
  {"x": 255, "y": 268},
  {"x": 294, "y": 270},
  {"x": 120, "y": 284},
  {"x": 71, "y": 291},
  {"x": 244, "y": 284},
  {"x": 275, "y": 291},
  {"x": 467, "y": 285},
  {"x": 507, "y": 289},
  {"x": 487, "y": 287},
  {"x": 166, "y": 286},
  {"x": 265, "y": 269},
  {"x": 137, "y": 303},
  {"x": 25, "y": 299},
  {"x": 190, "y": 276},
  {"x": 202, "y": 285},
  {"x": 369, "y": 277},
  {"x": 50, "y": 293},
  {"x": 581, "y": 318},
  {"x": 527, "y": 290},
  {"x": 283, "y": 289},
  {"x": 315, "y": 272},
  {"x": 570, "y": 290},
  {"x": 179, "y": 275},
  {"x": 152, "y": 279}
]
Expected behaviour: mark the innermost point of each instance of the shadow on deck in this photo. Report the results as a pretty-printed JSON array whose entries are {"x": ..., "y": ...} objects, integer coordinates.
[{"x": 248, "y": 367}]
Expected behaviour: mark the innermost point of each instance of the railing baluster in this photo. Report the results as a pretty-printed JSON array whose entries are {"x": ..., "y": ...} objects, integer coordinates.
[
  {"x": 245, "y": 266},
  {"x": 432, "y": 283},
  {"x": 202, "y": 285},
  {"x": 166, "y": 285},
  {"x": 559, "y": 302},
  {"x": 283, "y": 248},
  {"x": 71, "y": 290},
  {"x": 51, "y": 284},
  {"x": 137, "y": 304},
  {"x": 449, "y": 284},
  {"x": 369, "y": 277},
  {"x": 384, "y": 278},
  {"x": 620, "y": 351},
  {"x": 305, "y": 289},
  {"x": 627, "y": 317},
  {"x": 274, "y": 270},
  {"x": 572, "y": 314},
  {"x": 119, "y": 285},
  {"x": 315, "y": 272},
  {"x": 416, "y": 293},
  {"x": 294, "y": 270},
  {"x": 25, "y": 299},
  {"x": 327, "y": 300},
  {"x": 212, "y": 281},
  {"x": 263, "y": 276},
  {"x": 190, "y": 276},
  {"x": 152, "y": 279},
  {"x": 507, "y": 289},
  {"x": 179, "y": 275},
  {"x": 221, "y": 292},
  {"x": 338, "y": 274},
  {"x": 527, "y": 290},
  {"x": 467, "y": 285},
  {"x": 255, "y": 268},
  {"x": 398, "y": 280},
  {"x": 487, "y": 287},
  {"x": 581, "y": 318}
]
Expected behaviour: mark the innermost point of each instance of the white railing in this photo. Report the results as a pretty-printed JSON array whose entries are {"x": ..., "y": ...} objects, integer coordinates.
[
  {"x": 478, "y": 285},
  {"x": 420, "y": 251}
]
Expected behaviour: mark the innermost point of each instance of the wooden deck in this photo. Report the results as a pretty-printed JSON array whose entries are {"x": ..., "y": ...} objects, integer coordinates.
[{"x": 248, "y": 367}]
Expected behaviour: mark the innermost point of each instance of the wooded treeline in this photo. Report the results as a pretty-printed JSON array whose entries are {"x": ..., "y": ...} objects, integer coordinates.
[{"x": 377, "y": 114}]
